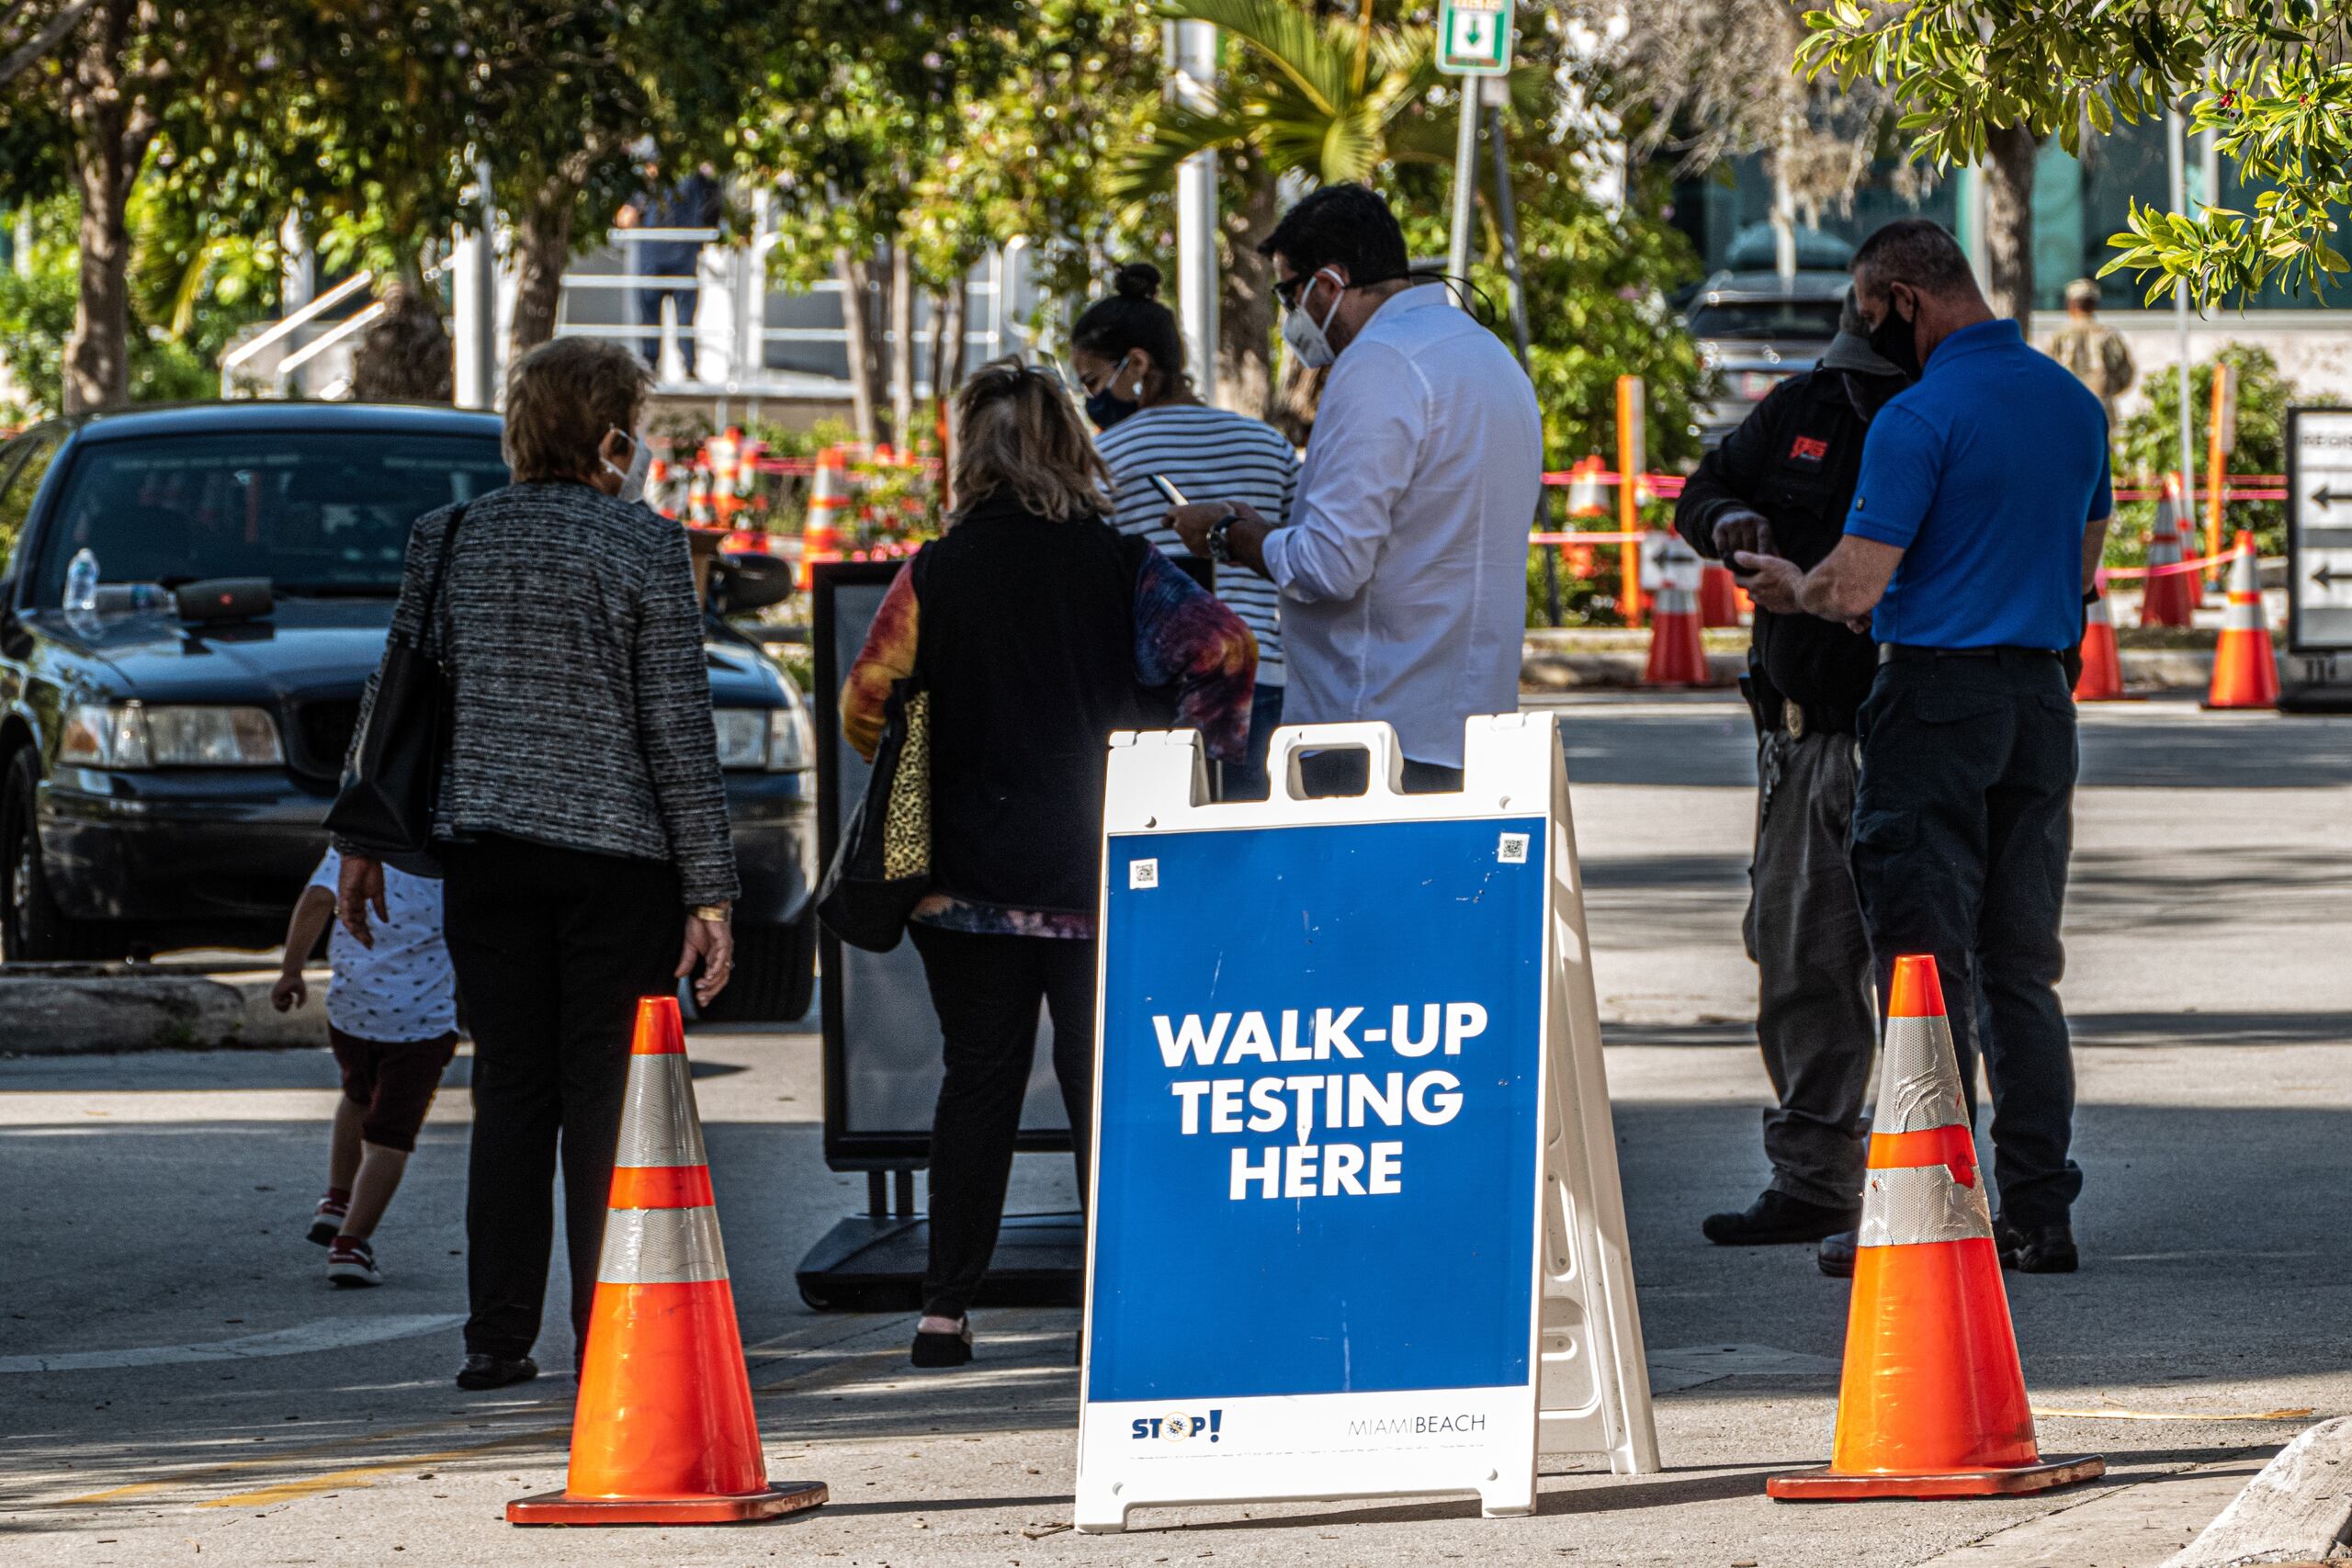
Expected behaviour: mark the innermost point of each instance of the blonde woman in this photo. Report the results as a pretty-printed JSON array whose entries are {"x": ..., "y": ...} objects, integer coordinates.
[{"x": 1038, "y": 629}]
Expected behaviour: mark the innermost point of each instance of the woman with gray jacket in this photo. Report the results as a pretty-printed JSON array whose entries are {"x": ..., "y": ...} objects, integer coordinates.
[{"x": 583, "y": 818}]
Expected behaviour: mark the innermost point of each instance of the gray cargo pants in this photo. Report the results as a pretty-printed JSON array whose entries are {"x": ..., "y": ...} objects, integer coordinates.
[{"x": 1815, "y": 1019}]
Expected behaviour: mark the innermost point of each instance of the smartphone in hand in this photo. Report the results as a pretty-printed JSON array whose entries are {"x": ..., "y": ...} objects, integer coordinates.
[{"x": 1169, "y": 492}]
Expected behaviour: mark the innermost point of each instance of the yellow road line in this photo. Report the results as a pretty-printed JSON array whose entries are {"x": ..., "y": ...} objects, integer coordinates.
[
  {"x": 261, "y": 1462},
  {"x": 2172, "y": 1414},
  {"x": 369, "y": 1474}
]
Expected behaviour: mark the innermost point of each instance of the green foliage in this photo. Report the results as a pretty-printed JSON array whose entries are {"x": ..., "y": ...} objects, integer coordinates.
[
  {"x": 2149, "y": 444},
  {"x": 2272, "y": 80}
]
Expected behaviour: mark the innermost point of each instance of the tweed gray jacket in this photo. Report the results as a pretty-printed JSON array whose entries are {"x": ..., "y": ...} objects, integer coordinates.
[{"x": 581, "y": 702}]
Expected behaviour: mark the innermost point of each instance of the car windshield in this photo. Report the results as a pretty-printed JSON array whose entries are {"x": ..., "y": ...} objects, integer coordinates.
[
  {"x": 317, "y": 513},
  {"x": 1763, "y": 320}
]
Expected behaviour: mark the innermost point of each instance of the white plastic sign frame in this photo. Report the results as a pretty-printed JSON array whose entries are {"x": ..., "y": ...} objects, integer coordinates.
[{"x": 1330, "y": 1326}]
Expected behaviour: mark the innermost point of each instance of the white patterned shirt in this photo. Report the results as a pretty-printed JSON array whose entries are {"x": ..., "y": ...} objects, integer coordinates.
[{"x": 402, "y": 988}]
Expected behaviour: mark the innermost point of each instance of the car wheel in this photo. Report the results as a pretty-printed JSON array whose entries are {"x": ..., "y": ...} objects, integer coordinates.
[
  {"x": 775, "y": 974},
  {"x": 31, "y": 928}
]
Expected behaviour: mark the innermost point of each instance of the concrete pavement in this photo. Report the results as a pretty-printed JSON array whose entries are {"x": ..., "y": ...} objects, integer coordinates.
[{"x": 240, "y": 1410}]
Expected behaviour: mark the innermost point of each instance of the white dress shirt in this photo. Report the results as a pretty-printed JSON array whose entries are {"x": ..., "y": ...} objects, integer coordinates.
[{"x": 1404, "y": 568}]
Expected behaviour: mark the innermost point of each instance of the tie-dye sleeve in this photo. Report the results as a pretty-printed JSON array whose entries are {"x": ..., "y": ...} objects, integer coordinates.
[
  {"x": 887, "y": 657},
  {"x": 1186, "y": 637}
]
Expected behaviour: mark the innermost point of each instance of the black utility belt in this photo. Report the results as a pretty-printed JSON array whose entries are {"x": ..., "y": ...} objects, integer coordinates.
[
  {"x": 1910, "y": 653},
  {"x": 1795, "y": 719}
]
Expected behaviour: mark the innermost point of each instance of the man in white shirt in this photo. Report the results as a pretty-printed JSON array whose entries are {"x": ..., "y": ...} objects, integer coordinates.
[{"x": 1403, "y": 570}]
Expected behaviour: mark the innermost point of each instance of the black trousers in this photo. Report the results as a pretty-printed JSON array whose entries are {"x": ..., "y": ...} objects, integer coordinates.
[
  {"x": 552, "y": 947},
  {"x": 1349, "y": 772},
  {"x": 1813, "y": 964},
  {"x": 649, "y": 315},
  {"x": 1962, "y": 825},
  {"x": 987, "y": 990}
]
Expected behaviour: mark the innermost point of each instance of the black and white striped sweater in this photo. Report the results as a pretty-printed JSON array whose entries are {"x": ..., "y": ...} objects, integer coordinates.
[{"x": 573, "y": 641}]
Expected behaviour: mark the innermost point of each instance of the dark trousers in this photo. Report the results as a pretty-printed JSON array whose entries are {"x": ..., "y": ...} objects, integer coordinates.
[
  {"x": 1248, "y": 780},
  {"x": 1350, "y": 773},
  {"x": 649, "y": 315},
  {"x": 552, "y": 947},
  {"x": 1962, "y": 824},
  {"x": 1805, "y": 931},
  {"x": 987, "y": 990}
]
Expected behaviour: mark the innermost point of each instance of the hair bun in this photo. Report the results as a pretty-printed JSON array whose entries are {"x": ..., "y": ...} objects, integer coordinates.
[{"x": 1137, "y": 281}]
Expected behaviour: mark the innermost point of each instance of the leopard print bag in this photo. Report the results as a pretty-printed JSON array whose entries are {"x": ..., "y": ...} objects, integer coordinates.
[{"x": 882, "y": 867}]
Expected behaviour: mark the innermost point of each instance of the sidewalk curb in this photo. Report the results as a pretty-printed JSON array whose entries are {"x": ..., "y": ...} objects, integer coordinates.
[
  {"x": 2105, "y": 1524},
  {"x": 72, "y": 1009},
  {"x": 2299, "y": 1509}
]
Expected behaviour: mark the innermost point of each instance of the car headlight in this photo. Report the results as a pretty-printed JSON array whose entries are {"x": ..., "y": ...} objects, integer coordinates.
[
  {"x": 742, "y": 736},
  {"x": 791, "y": 747},
  {"x": 135, "y": 735}
]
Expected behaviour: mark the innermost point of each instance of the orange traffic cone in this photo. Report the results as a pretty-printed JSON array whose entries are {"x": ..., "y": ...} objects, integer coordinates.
[
  {"x": 2192, "y": 539},
  {"x": 1933, "y": 1400},
  {"x": 2165, "y": 601},
  {"x": 2102, "y": 677},
  {"x": 1718, "y": 596},
  {"x": 2245, "y": 667},
  {"x": 1678, "y": 657},
  {"x": 821, "y": 535},
  {"x": 1585, "y": 499},
  {"x": 662, "y": 1432}
]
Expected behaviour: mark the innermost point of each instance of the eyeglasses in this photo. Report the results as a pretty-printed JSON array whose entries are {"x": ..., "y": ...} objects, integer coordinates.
[{"x": 1289, "y": 289}]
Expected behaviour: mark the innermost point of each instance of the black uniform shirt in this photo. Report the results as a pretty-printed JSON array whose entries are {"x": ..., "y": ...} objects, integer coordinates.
[{"x": 1795, "y": 460}]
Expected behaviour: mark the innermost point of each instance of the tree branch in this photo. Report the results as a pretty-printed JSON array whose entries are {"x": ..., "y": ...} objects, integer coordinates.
[{"x": 30, "y": 53}]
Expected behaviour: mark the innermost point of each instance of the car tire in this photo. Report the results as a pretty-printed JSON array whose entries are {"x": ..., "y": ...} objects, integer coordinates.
[
  {"x": 31, "y": 928},
  {"x": 776, "y": 974}
]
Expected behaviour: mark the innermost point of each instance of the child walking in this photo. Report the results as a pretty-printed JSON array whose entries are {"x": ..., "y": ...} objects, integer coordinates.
[{"x": 392, "y": 1018}]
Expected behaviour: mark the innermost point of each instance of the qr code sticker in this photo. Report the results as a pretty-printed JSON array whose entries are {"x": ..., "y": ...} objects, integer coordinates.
[
  {"x": 1512, "y": 849},
  {"x": 1143, "y": 873}
]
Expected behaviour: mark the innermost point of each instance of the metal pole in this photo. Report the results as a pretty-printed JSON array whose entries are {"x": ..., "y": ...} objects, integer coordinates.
[
  {"x": 1507, "y": 216},
  {"x": 2179, "y": 173},
  {"x": 1191, "y": 56},
  {"x": 1466, "y": 180}
]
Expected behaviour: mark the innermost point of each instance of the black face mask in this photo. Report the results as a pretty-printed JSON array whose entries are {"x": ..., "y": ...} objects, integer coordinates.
[
  {"x": 1106, "y": 408},
  {"x": 1896, "y": 341}
]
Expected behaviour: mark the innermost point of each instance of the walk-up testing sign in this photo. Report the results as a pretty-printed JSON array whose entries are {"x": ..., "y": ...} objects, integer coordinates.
[{"x": 1357, "y": 1228}]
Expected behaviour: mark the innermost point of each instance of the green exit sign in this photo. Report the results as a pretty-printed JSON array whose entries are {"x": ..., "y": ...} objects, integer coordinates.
[{"x": 1474, "y": 36}]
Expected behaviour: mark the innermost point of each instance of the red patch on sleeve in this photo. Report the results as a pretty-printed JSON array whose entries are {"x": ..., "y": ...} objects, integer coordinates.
[{"x": 1809, "y": 449}]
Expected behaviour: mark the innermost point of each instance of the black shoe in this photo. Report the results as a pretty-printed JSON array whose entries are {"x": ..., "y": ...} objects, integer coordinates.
[
  {"x": 2045, "y": 1249},
  {"x": 484, "y": 1371},
  {"x": 943, "y": 1349},
  {"x": 1835, "y": 1255},
  {"x": 1777, "y": 1219}
]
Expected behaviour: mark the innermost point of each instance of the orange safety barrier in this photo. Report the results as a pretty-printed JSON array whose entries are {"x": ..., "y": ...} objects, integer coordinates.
[
  {"x": 662, "y": 1431},
  {"x": 2245, "y": 667},
  {"x": 1932, "y": 1403},
  {"x": 2166, "y": 601}
]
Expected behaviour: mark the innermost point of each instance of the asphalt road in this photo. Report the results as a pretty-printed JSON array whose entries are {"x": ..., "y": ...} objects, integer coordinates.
[{"x": 177, "y": 1382}]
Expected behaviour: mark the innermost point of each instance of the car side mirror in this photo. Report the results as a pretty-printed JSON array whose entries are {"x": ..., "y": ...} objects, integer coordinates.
[
  {"x": 215, "y": 600},
  {"x": 743, "y": 581}
]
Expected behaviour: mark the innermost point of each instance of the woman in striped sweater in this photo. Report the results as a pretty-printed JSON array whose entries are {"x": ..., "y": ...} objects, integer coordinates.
[{"x": 1130, "y": 360}]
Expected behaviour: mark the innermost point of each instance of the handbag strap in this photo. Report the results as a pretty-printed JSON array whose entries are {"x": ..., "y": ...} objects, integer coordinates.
[{"x": 440, "y": 570}]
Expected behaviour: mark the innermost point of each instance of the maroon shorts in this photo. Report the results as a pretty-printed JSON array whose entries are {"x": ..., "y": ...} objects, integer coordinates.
[{"x": 392, "y": 1082}]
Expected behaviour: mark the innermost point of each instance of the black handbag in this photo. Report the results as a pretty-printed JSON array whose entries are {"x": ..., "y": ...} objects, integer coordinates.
[
  {"x": 393, "y": 780},
  {"x": 882, "y": 867}
]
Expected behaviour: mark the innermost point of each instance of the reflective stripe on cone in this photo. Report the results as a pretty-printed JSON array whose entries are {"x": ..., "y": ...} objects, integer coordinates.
[
  {"x": 2245, "y": 666},
  {"x": 1932, "y": 1400}
]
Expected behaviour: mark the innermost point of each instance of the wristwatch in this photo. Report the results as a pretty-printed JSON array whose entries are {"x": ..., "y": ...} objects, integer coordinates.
[
  {"x": 717, "y": 913},
  {"x": 1220, "y": 543}
]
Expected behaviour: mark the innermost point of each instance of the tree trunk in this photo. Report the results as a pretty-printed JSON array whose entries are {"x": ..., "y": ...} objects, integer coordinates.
[
  {"x": 1245, "y": 381},
  {"x": 2008, "y": 221},
  {"x": 404, "y": 357},
  {"x": 97, "y": 355},
  {"x": 948, "y": 311},
  {"x": 903, "y": 347},
  {"x": 857, "y": 322},
  {"x": 542, "y": 251}
]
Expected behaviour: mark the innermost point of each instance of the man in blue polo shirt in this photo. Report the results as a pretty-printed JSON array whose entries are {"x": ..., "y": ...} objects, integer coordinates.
[{"x": 1974, "y": 531}]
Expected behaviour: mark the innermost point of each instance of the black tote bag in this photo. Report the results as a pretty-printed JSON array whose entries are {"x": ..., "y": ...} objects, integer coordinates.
[
  {"x": 882, "y": 867},
  {"x": 394, "y": 778}
]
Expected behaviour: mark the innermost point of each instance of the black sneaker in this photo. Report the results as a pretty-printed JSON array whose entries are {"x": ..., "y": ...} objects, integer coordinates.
[
  {"x": 1777, "y": 1219},
  {"x": 326, "y": 1219},
  {"x": 936, "y": 1351},
  {"x": 352, "y": 1262},
  {"x": 484, "y": 1371},
  {"x": 2044, "y": 1249},
  {"x": 1835, "y": 1255}
]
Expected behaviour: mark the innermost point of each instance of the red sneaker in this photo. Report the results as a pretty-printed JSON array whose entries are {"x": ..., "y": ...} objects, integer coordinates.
[
  {"x": 326, "y": 1219},
  {"x": 353, "y": 1263}
]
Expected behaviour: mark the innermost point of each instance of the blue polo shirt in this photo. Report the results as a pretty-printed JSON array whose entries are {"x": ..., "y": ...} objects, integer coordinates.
[{"x": 1983, "y": 475}]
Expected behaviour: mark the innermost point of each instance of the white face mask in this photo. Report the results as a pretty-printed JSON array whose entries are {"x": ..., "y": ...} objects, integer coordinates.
[
  {"x": 1303, "y": 333},
  {"x": 633, "y": 477}
]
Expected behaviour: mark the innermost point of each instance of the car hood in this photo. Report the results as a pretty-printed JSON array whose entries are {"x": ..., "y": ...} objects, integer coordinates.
[{"x": 305, "y": 648}]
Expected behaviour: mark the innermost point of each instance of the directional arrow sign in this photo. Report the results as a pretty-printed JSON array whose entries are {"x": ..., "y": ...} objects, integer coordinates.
[
  {"x": 2327, "y": 498},
  {"x": 2319, "y": 574},
  {"x": 2328, "y": 577},
  {"x": 1474, "y": 36}
]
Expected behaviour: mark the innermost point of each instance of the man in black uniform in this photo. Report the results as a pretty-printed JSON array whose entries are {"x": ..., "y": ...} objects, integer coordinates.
[{"x": 1786, "y": 477}]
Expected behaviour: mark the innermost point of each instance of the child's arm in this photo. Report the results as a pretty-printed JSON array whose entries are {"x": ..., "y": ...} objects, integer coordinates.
[{"x": 311, "y": 913}]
